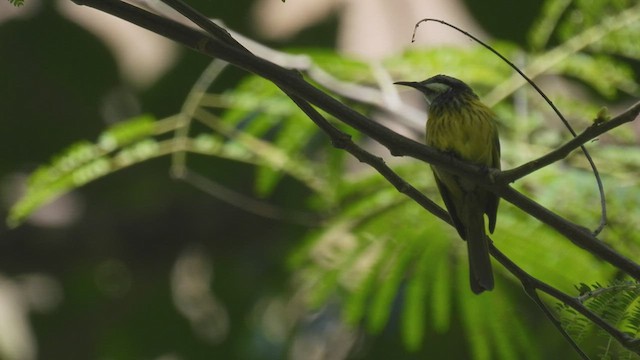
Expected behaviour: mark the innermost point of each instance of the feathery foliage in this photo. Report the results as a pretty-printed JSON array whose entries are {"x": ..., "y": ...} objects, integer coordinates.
[
  {"x": 618, "y": 304},
  {"x": 384, "y": 258}
]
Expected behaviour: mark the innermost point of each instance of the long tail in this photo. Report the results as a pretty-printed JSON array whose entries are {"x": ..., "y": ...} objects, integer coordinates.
[{"x": 480, "y": 272}]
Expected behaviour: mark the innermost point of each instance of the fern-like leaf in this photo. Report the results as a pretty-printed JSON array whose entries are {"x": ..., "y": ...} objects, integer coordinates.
[
  {"x": 619, "y": 305},
  {"x": 84, "y": 162}
]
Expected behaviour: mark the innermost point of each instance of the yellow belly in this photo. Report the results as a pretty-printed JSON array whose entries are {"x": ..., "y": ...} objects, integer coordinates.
[{"x": 468, "y": 134}]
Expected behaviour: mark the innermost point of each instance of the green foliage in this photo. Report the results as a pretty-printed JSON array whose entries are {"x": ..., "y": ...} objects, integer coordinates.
[
  {"x": 427, "y": 274},
  {"x": 388, "y": 262},
  {"x": 586, "y": 14},
  {"x": 618, "y": 304},
  {"x": 257, "y": 109},
  {"x": 476, "y": 65},
  {"x": 602, "y": 30},
  {"x": 16, "y": 3},
  {"x": 84, "y": 162},
  {"x": 259, "y": 128},
  {"x": 381, "y": 256},
  {"x": 341, "y": 67},
  {"x": 590, "y": 69},
  {"x": 541, "y": 32}
]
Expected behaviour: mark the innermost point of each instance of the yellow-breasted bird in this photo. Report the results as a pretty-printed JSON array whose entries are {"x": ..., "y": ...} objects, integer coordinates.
[{"x": 461, "y": 125}]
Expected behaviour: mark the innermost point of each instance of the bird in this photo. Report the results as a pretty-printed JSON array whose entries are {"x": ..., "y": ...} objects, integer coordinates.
[{"x": 461, "y": 125}]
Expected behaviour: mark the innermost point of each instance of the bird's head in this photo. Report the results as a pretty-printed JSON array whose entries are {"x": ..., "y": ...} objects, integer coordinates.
[{"x": 440, "y": 88}]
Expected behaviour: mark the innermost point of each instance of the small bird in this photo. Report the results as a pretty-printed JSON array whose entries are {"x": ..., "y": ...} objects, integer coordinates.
[{"x": 461, "y": 125}]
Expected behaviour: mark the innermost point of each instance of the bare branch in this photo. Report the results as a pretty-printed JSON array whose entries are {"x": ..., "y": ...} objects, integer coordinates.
[
  {"x": 398, "y": 145},
  {"x": 531, "y": 284},
  {"x": 223, "y": 46},
  {"x": 590, "y": 133}
]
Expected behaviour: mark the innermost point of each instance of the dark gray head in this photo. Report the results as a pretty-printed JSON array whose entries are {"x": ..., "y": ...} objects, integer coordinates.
[{"x": 440, "y": 88}]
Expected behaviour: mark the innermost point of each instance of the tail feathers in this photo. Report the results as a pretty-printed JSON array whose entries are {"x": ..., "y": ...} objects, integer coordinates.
[{"x": 480, "y": 272}]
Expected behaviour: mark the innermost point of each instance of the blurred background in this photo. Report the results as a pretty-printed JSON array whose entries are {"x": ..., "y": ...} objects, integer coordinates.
[{"x": 138, "y": 265}]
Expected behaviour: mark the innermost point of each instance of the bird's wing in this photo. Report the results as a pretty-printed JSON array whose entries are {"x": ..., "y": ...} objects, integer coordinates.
[
  {"x": 491, "y": 207},
  {"x": 450, "y": 204}
]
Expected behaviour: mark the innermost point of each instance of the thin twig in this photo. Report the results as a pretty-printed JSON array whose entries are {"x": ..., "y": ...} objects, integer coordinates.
[
  {"x": 530, "y": 282},
  {"x": 590, "y": 133},
  {"x": 597, "y": 292},
  {"x": 179, "y": 158},
  {"x": 533, "y": 294},
  {"x": 246, "y": 203}
]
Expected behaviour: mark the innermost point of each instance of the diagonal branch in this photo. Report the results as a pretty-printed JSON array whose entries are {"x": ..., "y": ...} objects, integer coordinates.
[
  {"x": 398, "y": 145},
  {"x": 531, "y": 284},
  {"x": 578, "y": 235},
  {"x": 221, "y": 45},
  {"x": 590, "y": 133},
  {"x": 341, "y": 140}
]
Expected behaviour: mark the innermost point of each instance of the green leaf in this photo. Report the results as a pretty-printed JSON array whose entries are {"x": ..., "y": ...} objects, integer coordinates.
[
  {"x": 259, "y": 109},
  {"x": 390, "y": 280},
  {"x": 334, "y": 253},
  {"x": 590, "y": 69},
  {"x": 441, "y": 294},
  {"x": 618, "y": 304},
  {"x": 356, "y": 303},
  {"x": 84, "y": 162},
  {"x": 127, "y": 132},
  {"x": 473, "y": 310},
  {"x": 546, "y": 23},
  {"x": 477, "y": 66},
  {"x": 340, "y": 66},
  {"x": 415, "y": 314}
]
